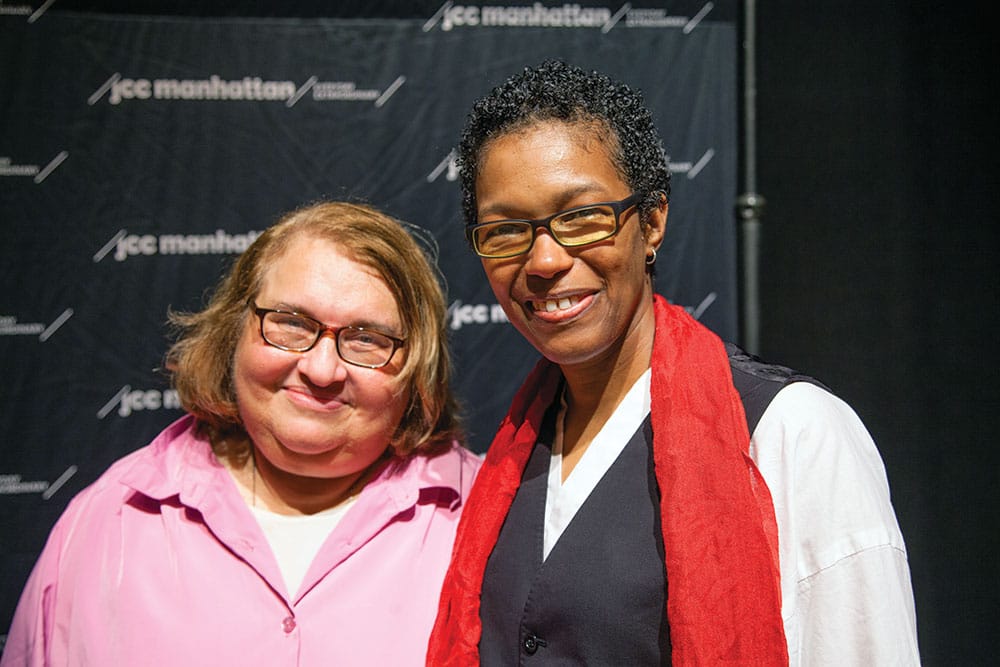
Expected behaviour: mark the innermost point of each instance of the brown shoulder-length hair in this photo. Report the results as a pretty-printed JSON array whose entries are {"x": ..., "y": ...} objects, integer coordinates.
[{"x": 200, "y": 360}]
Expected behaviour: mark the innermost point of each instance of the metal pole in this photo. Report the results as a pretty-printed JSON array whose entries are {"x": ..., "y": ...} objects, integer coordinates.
[{"x": 750, "y": 204}]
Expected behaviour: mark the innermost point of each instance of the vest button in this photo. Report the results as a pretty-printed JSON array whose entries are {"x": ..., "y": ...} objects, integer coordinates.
[{"x": 532, "y": 642}]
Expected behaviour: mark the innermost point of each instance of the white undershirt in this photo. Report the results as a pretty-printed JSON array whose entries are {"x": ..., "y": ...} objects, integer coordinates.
[
  {"x": 295, "y": 540},
  {"x": 564, "y": 499}
]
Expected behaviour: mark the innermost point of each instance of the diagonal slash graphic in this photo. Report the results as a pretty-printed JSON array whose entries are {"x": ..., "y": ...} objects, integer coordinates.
[
  {"x": 606, "y": 28},
  {"x": 115, "y": 400},
  {"x": 41, "y": 10},
  {"x": 52, "y": 328},
  {"x": 102, "y": 253},
  {"x": 51, "y": 166},
  {"x": 431, "y": 177},
  {"x": 693, "y": 23},
  {"x": 58, "y": 484},
  {"x": 105, "y": 87},
  {"x": 384, "y": 97},
  {"x": 432, "y": 21},
  {"x": 301, "y": 91},
  {"x": 705, "y": 159},
  {"x": 703, "y": 306}
]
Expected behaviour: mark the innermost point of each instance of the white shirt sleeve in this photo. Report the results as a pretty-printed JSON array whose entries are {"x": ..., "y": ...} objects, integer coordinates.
[{"x": 845, "y": 581}]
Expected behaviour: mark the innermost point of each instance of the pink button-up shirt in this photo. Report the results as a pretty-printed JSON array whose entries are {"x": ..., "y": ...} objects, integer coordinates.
[{"x": 160, "y": 562}]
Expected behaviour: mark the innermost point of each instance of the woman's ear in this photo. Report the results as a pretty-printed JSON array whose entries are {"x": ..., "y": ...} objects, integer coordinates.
[{"x": 656, "y": 224}]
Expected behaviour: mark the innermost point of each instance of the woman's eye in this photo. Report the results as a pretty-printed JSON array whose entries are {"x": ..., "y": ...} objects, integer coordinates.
[
  {"x": 293, "y": 323},
  {"x": 504, "y": 229},
  {"x": 582, "y": 216}
]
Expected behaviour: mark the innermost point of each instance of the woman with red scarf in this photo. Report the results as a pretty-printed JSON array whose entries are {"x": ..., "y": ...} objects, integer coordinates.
[{"x": 624, "y": 514}]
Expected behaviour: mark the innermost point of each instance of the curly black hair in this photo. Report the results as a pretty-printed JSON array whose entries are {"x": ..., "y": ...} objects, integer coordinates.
[{"x": 555, "y": 90}]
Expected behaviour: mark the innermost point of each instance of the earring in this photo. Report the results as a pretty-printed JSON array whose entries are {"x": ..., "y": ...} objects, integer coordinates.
[{"x": 651, "y": 259}]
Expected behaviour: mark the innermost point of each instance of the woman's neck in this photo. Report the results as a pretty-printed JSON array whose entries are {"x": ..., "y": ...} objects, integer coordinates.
[
  {"x": 593, "y": 391},
  {"x": 267, "y": 487}
]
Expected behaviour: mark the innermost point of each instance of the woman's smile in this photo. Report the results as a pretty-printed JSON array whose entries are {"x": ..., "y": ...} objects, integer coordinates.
[{"x": 559, "y": 309}]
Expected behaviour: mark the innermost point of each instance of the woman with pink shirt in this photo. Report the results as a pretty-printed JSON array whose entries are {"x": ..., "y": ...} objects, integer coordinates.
[{"x": 303, "y": 512}]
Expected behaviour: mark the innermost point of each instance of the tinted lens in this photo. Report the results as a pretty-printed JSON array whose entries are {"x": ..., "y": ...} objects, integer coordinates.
[
  {"x": 363, "y": 347},
  {"x": 289, "y": 330},
  {"x": 585, "y": 225},
  {"x": 503, "y": 238}
]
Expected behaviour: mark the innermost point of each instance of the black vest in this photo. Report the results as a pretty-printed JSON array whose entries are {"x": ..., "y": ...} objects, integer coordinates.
[{"x": 600, "y": 596}]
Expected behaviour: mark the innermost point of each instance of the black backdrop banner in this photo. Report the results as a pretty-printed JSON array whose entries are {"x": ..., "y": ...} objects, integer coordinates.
[{"x": 139, "y": 155}]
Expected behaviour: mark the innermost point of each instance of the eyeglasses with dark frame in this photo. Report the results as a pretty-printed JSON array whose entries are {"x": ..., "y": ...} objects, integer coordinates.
[
  {"x": 295, "y": 332},
  {"x": 572, "y": 228}
]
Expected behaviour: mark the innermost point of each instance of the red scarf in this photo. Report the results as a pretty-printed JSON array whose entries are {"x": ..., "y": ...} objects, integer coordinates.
[{"x": 719, "y": 531}]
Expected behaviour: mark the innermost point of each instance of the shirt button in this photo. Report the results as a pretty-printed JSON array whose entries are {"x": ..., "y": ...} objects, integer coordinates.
[{"x": 288, "y": 624}]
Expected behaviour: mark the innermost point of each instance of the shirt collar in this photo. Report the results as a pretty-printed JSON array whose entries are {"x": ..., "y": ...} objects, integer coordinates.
[{"x": 181, "y": 463}]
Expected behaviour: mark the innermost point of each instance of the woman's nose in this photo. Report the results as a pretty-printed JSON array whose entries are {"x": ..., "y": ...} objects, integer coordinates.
[
  {"x": 322, "y": 364},
  {"x": 546, "y": 257}
]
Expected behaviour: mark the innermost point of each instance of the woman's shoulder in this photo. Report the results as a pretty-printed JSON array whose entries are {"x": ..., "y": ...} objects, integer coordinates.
[
  {"x": 452, "y": 465},
  {"x": 460, "y": 455},
  {"x": 807, "y": 413},
  {"x": 464, "y": 455},
  {"x": 150, "y": 463}
]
